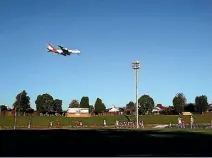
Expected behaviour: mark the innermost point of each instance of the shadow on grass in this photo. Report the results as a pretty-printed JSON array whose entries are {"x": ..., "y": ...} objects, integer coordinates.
[{"x": 103, "y": 143}]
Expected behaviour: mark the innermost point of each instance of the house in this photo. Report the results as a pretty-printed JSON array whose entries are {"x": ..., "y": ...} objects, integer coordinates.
[
  {"x": 114, "y": 111},
  {"x": 158, "y": 108},
  {"x": 161, "y": 106},
  {"x": 129, "y": 110}
]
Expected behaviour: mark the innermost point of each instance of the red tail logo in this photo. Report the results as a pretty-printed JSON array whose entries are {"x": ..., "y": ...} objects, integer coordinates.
[{"x": 51, "y": 48}]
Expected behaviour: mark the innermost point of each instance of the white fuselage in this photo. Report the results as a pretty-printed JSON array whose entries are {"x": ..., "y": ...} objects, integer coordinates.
[
  {"x": 70, "y": 51},
  {"x": 73, "y": 51}
]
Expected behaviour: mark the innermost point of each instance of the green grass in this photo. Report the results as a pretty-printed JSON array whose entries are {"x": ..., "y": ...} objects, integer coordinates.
[
  {"x": 166, "y": 119},
  {"x": 98, "y": 120},
  {"x": 64, "y": 121}
]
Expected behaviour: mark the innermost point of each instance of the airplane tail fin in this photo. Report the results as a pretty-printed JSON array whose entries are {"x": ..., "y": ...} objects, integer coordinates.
[{"x": 50, "y": 48}]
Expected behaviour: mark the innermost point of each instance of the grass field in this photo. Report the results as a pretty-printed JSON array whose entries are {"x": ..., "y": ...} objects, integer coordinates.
[
  {"x": 73, "y": 138},
  {"x": 98, "y": 120},
  {"x": 160, "y": 143}
]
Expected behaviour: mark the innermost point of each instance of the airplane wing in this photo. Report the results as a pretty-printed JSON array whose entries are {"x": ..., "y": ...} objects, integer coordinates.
[{"x": 63, "y": 49}]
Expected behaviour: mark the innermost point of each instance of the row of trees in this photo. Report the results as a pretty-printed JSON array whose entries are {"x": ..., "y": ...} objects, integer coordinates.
[
  {"x": 98, "y": 107},
  {"x": 180, "y": 104},
  {"x": 45, "y": 103},
  {"x": 146, "y": 104}
]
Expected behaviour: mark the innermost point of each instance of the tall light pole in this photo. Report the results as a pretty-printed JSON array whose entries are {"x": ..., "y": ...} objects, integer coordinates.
[
  {"x": 136, "y": 67},
  {"x": 14, "y": 127}
]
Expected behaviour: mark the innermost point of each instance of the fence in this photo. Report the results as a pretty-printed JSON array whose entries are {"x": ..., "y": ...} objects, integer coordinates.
[
  {"x": 207, "y": 113},
  {"x": 96, "y": 126},
  {"x": 45, "y": 127},
  {"x": 12, "y": 113},
  {"x": 107, "y": 114},
  {"x": 58, "y": 126}
]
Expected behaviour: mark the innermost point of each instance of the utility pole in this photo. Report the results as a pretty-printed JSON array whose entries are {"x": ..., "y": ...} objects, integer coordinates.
[{"x": 136, "y": 67}]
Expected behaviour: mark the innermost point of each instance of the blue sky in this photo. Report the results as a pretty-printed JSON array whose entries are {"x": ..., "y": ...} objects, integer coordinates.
[{"x": 171, "y": 38}]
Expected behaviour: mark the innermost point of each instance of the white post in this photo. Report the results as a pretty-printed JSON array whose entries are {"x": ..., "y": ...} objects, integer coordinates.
[
  {"x": 136, "y": 67},
  {"x": 137, "y": 98}
]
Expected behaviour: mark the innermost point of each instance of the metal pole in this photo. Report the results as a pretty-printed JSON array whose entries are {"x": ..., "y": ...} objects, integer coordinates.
[
  {"x": 137, "y": 98},
  {"x": 136, "y": 66}
]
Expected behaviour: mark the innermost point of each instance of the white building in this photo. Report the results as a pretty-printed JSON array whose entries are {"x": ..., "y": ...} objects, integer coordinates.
[
  {"x": 114, "y": 109},
  {"x": 77, "y": 112}
]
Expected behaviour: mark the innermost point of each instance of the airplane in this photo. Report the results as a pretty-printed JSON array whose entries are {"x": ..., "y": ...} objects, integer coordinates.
[{"x": 62, "y": 51}]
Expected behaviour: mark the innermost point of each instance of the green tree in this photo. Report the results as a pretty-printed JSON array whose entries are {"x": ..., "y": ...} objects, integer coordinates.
[
  {"x": 84, "y": 103},
  {"x": 201, "y": 103},
  {"x": 91, "y": 108},
  {"x": 44, "y": 103},
  {"x": 99, "y": 106},
  {"x": 58, "y": 105},
  {"x": 130, "y": 107},
  {"x": 74, "y": 104},
  {"x": 146, "y": 104},
  {"x": 29, "y": 110},
  {"x": 179, "y": 102},
  {"x": 190, "y": 107},
  {"x": 22, "y": 101},
  {"x": 3, "y": 108}
]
